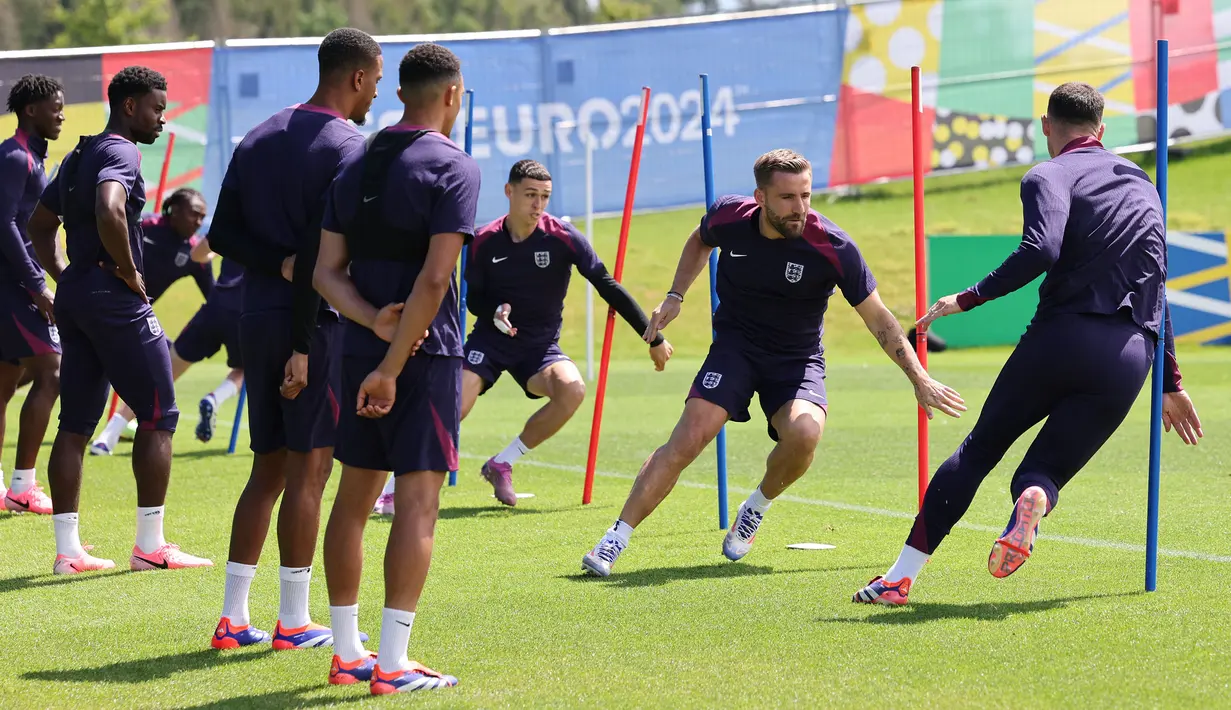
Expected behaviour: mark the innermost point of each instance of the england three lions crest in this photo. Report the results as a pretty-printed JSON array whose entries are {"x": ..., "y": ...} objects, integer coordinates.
[
  {"x": 542, "y": 259},
  {"x": 711, "y": 380},
  {"x": 794, "y": 272}
]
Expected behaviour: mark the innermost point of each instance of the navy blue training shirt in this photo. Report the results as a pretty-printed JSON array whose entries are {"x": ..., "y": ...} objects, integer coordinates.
[
  {"x": 22, "y": 181},
  {"x": 168, "y": 258},
  {"x": 281, "y": 171},
  {"x": 1093, "y": 222},
  {"x": 106, "y": 157},
  {"x": 432, "y": 188},
  {"x": 773, "y": 293},
  {"x": 532, "y": 276}
]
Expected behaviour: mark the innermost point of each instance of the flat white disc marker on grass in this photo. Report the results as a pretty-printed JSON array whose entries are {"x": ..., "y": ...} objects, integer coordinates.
[{"x": 810, "y": 546}]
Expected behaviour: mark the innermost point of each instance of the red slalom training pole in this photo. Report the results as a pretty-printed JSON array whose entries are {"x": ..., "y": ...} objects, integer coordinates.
[
  {"x": 162, "y": 179},
  {"x": 162, "y": 188},
  {"x": 921, "y": 275},
  {"x": 625, "y": 221}
]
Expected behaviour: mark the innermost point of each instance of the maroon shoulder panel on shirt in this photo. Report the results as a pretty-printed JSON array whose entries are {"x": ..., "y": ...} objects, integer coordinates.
[
  {"x": 736, "y": 210},
  {"x": 818, "y": 237},
  {"x": 486, "y": 232},
  {"x": 553, "y": 227}
]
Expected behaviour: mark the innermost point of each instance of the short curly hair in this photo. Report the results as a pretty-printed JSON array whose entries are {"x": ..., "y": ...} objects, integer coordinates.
[
  {"x": 427, "y": 64},
  {"x": 134, "y": 81},
  {"x": 346, "y": 49},
  {"x": 31, "y": 89},
  {"x": 528, "y": 168}
]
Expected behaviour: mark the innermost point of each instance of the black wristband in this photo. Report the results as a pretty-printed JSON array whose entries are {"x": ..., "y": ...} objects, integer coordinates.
[{"x": 676, "y": 295}]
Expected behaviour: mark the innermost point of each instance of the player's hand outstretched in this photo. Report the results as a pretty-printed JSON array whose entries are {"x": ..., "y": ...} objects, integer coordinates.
[
  {"x": 1179, "y": 412},
  {"x": 666, "y": 312},
  {"x": 377, "y": 393},
  {"x": 386, "y": 323},
  {"x": 295, "y": 376},
  {"x": 935, "y": 395},
  {"x": 501, "y": 319},
  {"x": 661, "y": 353},
  {"x": 946, "y": 306}
]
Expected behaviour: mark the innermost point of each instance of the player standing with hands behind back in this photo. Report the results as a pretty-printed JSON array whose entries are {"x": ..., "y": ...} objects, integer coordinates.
[
  {"x": 268, "y": 219},
  {"x": 395, "y": 224}
]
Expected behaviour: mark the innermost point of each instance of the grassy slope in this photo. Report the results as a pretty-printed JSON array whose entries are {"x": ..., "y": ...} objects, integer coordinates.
[{"x": 679, "y": 627}]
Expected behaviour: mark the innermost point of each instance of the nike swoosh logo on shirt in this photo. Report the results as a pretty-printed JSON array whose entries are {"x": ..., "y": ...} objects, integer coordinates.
[
  {"x": 369, "y": 199},
  {"x": 497, "y": 261},
  {"x": 160, "y": 565},
  {"x": 733, "y": 254}
]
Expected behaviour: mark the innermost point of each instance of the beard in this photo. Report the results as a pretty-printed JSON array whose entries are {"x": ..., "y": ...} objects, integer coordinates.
[{"x": 790, "y": 230}]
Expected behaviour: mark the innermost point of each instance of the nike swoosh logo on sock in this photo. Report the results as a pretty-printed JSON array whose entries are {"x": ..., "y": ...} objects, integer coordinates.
[{"x": 403, "y": 623}]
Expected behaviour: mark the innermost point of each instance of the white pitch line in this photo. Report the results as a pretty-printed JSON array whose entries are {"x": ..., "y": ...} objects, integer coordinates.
[{"x": 882, "y": 512}]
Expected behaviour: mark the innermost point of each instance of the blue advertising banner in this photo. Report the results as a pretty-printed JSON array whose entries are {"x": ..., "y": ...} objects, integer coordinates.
[{"x": 542, "y": 96}]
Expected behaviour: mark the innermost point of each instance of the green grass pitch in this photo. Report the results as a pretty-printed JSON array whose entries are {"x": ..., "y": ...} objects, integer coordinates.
[{"x": 506, "y": 610}]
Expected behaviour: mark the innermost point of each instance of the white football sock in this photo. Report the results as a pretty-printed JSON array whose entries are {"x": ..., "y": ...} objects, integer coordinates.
[
  {"x": 388, "y": 489},
  {"x": 23, "y": 480},
  {"x": 235, "y": 598},
  {"x": 512, "y": 452},
  {"x": 225, "y": 391},
  {"x": 111, "y": 433},
  {"x": 910, "y": 564},
  {"x": 149, "y": 528},
  {"x": 758, "y": 502},
  {"x": 293, "y": 603},
  {"x": 68, "y": 539},
  {"x": 395, "y": 626},
  {"x": 344, "y": 622},
  {"x": 621, "y": 531}
]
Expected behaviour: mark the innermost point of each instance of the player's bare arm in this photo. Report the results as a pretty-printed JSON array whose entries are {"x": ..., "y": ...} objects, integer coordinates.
[
  {"x": 112, "y": 224},
  {"x": 889, "y": 335},
  {"x": 42, "y": 230},
  {"x": 692, "y": 261},
  {"x": 377, "y": 393},
  {"x": 333, "y": 282}
]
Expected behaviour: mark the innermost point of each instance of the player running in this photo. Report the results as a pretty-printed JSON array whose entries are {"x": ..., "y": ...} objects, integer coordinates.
[
  {"x": 29, "y": 342},
  {"x": 269, "y": 220},
  {"x": 517, "y": 277},
  {"x": 780, "y": 263},
  {"x": 172, "y": 252},
  {"x": 396, "y": 223},
  {"x": 108, "y": 330},
  {"x": 1093, "y": 222}
]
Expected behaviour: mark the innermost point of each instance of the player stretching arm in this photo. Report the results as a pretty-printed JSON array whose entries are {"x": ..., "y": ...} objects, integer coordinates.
[
  {"x": 1092, "y": 221},
  {"x": 518, "y": 276},
  {"x": 780, "y": 262}
]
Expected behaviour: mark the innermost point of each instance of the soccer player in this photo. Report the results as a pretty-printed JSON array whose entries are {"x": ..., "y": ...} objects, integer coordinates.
[
  {"x": 780, "y": 263},
  {"x": 172, "y": 252},
  {"x": 518, "y": 275},
  {"x": 1093, "y": 222},
  {"x": 108, "y": 330},
  {"x": 29, "y": 342},
  {"x": 398, "y": 219},
  {"x": 269, "y": 220}
]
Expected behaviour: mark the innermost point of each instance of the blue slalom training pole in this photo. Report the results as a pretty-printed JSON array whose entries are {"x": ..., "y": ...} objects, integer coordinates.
[
  {"x": 1156, "y": 399},
  {"x": 239, "y": 416},
  {"x": 468, "y": 146},
  {"x": 707, "y": 153}
]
